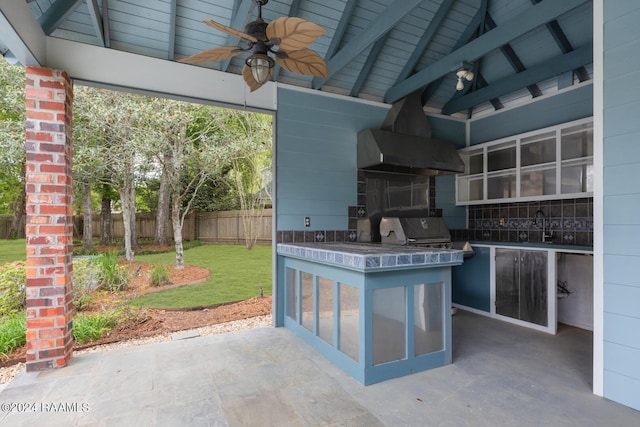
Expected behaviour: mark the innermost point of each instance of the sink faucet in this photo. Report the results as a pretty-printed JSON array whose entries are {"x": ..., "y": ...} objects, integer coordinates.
[{"x": 546, "y": 237}]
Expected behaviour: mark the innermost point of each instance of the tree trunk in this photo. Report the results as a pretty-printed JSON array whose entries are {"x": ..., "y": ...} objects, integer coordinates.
[
  {"x": 17, "y": 224},
  {"x": 127, "y": 208},
  {"x": 105, "y": 221},
  {"x": 134, "y": 227},
  {"x": 162, "y": 236},
  {"x": 177, "y": 231},
  {"x": 87, "y": 230}
]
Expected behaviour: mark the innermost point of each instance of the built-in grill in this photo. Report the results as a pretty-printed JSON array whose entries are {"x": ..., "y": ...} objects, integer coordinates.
[{"x": 426, "y": 232}]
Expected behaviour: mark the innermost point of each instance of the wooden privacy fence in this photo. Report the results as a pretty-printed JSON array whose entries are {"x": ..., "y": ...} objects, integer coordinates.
[{"x": 208, "y": 227}]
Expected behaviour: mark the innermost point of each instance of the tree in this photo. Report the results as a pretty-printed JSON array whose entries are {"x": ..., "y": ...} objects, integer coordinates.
[
  {"x": 162, "y": 232},
  {"x": 250, "y": 136},
  {"x": 186, "y": 146},
  {"x": 117, "y": 123},
  {"x": 12, "y": 150}
]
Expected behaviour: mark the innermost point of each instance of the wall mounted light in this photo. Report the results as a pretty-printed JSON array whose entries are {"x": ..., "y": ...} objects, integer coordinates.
[{"x": 462, "y": 74}]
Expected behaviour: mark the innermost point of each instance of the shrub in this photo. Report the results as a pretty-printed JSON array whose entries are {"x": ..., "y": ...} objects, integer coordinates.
[
  {"x": 13, "y": 330},
  {"x": 13, "y": 283},
  {"x": 115, "y": 276},
  {"x": 88, "y": 328},
  {"x": 87, "y": 278},
  {"x": 159, "y": 275}
]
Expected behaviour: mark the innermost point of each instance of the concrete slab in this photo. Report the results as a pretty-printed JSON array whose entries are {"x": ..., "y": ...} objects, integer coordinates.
[
  {"x": 502, "y": 375},
  {"x": 184, "y": 335}
]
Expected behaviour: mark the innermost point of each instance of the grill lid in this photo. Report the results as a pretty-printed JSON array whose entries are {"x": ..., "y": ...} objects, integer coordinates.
[{"x": 402, "y": 231}]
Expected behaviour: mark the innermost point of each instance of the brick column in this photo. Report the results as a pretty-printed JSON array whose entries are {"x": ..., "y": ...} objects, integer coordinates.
[{"x": 49, "y": 97}]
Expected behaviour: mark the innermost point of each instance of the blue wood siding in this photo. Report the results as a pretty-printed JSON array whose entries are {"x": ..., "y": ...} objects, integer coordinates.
[
  {"x": 316, "y": 137},
  {"x": 454, "y": 131},
  {"x": 454, "y": 216},
  {"x": 621, "y": 203},
  {"x": 567, "y": 106}
]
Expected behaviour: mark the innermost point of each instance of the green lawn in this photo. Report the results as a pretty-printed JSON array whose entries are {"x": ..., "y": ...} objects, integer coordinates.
[
  {"x": 13, "y": 250},
  {"x": 235, "y": 275}
]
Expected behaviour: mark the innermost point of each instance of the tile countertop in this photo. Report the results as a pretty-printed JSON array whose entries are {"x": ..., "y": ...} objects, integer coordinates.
[
  {"x": 371, "y": 257},
  {"x": 535, "y": 245}
]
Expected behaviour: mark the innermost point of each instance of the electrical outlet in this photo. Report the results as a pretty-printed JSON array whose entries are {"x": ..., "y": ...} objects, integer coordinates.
[{"x": 307, "y": 221}]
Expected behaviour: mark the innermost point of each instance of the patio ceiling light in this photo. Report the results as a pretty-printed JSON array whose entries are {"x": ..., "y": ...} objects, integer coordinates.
[
  {"x": 462, "y": 74},
  {"x": 286, "y": 39}
]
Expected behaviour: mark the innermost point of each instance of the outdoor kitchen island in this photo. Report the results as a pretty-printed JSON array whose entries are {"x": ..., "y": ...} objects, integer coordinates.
[{"x": 376, "y": 311}]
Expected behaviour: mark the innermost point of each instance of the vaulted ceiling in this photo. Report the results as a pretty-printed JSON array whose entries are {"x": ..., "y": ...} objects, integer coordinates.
[{"x": 379, "y": 50}]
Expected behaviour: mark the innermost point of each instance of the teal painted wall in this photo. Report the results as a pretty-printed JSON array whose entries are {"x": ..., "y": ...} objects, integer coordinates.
[
  {"x": 316, "y": 171},
  {"x": 571, "y": 105},
  {"x": 454, "y": 131},
  {"x": 621, "y": 202}
]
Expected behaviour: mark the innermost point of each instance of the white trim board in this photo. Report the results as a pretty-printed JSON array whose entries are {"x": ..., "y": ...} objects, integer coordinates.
[{"x": 110, "y": 67}]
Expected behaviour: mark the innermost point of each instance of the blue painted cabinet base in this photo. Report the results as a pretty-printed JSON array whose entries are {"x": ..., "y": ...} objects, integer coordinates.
[{"x": 300, "y": 301}]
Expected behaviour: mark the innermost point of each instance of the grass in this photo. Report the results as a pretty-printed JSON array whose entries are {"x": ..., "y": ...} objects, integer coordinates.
[
  {"x": 235, "y": 275},
  {"x": 13, "y": 250},
  {"x": 90, "y": 327},
  {"x": 13, "y": 331}
]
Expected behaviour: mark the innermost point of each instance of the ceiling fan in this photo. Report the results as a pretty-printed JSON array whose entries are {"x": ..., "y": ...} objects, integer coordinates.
[{"x": 285, "y": 38}]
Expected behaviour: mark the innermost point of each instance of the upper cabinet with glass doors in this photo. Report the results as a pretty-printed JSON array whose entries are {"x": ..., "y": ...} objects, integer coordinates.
[{"x": 552, "y": 163}]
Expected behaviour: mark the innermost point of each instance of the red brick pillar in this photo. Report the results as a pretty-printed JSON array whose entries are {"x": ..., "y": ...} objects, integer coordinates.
[{"x": 49, "y": 96}]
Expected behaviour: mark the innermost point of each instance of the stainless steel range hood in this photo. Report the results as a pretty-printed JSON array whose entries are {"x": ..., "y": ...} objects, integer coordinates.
[{"x": 404, "y": 144}]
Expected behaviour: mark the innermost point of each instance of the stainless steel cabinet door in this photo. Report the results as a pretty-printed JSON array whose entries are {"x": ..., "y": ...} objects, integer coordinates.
[
  {"x": 533, "y": 287},
  {"x": 508, "y": 282},
  {"x": 521, "y": 285}
]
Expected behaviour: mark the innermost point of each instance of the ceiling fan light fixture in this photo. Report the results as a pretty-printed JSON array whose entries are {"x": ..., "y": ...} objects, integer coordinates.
[{"x": 260, "y": 65}]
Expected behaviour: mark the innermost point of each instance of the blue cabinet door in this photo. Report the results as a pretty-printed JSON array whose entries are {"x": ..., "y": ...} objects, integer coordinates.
[{"x": 470, "y": 282}]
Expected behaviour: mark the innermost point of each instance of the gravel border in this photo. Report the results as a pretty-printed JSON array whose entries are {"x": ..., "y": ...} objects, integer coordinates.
[{"x": 7, "y": 374}]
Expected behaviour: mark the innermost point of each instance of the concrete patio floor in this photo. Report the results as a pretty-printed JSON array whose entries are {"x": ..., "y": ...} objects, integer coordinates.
[{"x": 502, "y": 375}]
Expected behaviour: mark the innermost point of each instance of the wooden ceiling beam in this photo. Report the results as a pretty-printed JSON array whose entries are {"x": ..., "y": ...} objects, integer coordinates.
[
  {"x": 376, "y": 29},
  {"x": 547, "y": 70},
  {"x": 56, "y": 14},
  {"x": 241, "y": 17},
  {"x": 536, "y": 16}
]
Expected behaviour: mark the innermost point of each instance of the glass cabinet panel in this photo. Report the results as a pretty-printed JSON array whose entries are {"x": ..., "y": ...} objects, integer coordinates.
[
  {"x": 292, "y": 293},
  {"x": 388, "y": 324},
  {"x": 428, "y": 326},
  {"x": 537, "y": 182},
  {"x": 349, "y": 320},
  {"x": 577, "y": 176},
  {"x": 577, "y": 141},
  {"x": 476, "y": 162},
  {"x": 470, "y": 188},
  {"x": 306, "y": 296},
  {"x": 538, "y": 149},
  {"x": 325, "y": 309},
  {"x": 501, "y": 156},
  {"x": 501, "y": 186}
]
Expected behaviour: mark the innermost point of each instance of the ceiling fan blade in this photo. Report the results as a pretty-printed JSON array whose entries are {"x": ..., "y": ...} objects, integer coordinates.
[
  {"x": 303, "y": 61},
  {"x": 293, "y": 33},
  {"x": 229, "y": 30},
  {"x": 251, "y": 82},
  {"x": 214, "y": 54}
]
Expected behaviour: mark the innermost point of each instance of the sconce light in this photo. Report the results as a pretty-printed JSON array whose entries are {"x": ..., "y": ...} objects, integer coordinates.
[{"x": 463, "y": 74}]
